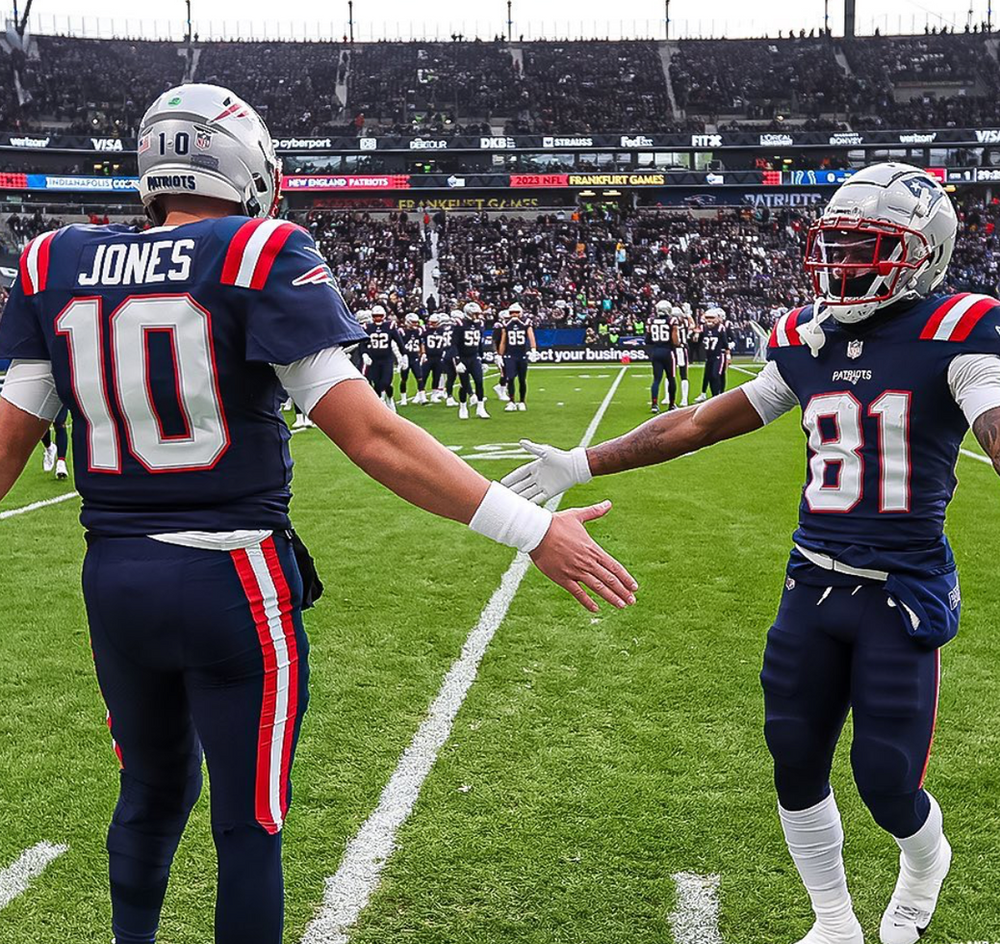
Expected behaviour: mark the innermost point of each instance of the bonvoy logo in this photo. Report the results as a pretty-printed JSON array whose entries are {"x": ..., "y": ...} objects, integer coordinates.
[{"x": 846, "y": 137}]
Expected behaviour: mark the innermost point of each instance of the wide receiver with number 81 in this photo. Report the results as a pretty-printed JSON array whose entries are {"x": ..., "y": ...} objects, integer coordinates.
[
  {"x": 889, "y": 377},
  {"x": 168, "y": 347}
]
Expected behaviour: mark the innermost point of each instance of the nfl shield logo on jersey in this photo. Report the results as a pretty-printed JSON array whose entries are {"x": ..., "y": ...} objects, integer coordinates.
[{"x": 854, "y": 349}]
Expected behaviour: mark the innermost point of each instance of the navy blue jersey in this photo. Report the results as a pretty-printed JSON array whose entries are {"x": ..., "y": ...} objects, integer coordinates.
[
  {"x": 883, "y": 428},
  {"x": 658, "y": 334},
  {"x": 682, "y": 331},
  {"x": 516, "y": 334},
  {"x": 380, "y": 340},
  {"x": 436, "y": 342},
  {"x": 467, "y": 339},
  {"x": 161, "y": 344},
  {"x": 411, "y": 342},
  {"x": 715, "y": 341}
]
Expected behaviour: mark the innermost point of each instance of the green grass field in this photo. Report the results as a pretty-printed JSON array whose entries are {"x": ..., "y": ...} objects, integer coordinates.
[{"x": 594, "y": 756}]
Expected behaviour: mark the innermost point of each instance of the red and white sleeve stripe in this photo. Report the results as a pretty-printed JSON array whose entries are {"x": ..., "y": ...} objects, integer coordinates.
[
  {"x": 35, "y": 264},
  {"x": 785, "y": 332},
  {"x": 252, "y": 252},
  {"x": 270, "y": 602},
  {"x": 955, "y": 318}
]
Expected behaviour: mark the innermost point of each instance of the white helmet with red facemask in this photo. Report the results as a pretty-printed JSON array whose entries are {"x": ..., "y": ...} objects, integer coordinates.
[{"x": 886, "y": 236}]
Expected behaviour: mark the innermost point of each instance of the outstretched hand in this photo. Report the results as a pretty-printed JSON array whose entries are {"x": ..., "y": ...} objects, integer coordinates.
[
  {"x": 552, "y": 473},
  {"x": 571, "y": 558}
]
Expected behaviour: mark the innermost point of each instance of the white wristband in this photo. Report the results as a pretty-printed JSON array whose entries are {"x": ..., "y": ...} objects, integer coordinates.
[{"x": 509, "y": 519}]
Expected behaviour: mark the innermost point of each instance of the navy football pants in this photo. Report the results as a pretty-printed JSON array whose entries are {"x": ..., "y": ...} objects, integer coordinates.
[
  {"x": 417, "y": 369},
  {"x": 380, "y": 375},
  {"x": 715, "y": 374},
  {"x": 516, "y": 368},
  {"x": 830, "y": 651},
  {"x": 62, "y": 437},
  {"x": 663, "y": 366},
  {"x": 473, "y": 376},
  {"x": 199, "y": 650}
]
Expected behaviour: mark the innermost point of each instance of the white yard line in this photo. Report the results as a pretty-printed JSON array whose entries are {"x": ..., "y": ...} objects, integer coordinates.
[
  {"x": 348, "y": 892},
  {"x": 743, "y": 370},
  {"x": 976, "y": 455},
  {"x": 696, "y": 918},
  {"x": 34, "y": 506},
  {"x": 14, "y": 880}
]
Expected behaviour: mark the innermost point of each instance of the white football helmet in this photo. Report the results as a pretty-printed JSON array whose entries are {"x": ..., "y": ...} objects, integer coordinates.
[
  {"x": 714, "y": 316},
  {"x": 434, "y": 321},
  {"x": 364, "y": 316},
  {"x": 515, "y": 309},
  {"x": 378, "y": 314},
  {"x": 887, "y": 235},
  {"x": 413, "y": 319},
  {"x": 456, "y": 316},
  {"x": 203, "y": 139},
  {"x": 473, "y": 310},
  {"x": 663, "y": 308}
]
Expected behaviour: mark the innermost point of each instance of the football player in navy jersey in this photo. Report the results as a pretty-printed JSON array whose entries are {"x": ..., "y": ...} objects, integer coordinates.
[
  {"x": 716, "y": 343},
  {"x": 679, "y": 325},
  {"x": 660, "y": 348},
  {"x": 411, "y": 344},
  {"x": 436, "y": 344},
  {"x": 168, "y": 346},
  {"x": 384, "y": 347},
  {"x": 450, "y": 373},
  {"x": 889, "y": 376},
  {"x": 500, "y": 387},
  {"x": 517, "y": 348},
  {"x": 467, "y": 348}
]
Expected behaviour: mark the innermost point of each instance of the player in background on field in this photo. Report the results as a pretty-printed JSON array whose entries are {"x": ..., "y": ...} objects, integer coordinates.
[
  {"x": 517, "y": 348},
  {"x": 54, "y": 454},
  {"x": 467, "y": 344},
  {"x": 660, "y": 348},
  {"x": 384, "y": 347},
  {"x": 717, "y": 345},
  {"x": 359, "y": 358},
  {"x": 411, "y": 343},
  {"x": 450, "y": 372},
  {"x": 679, "y": 337},
  {"x": 500, "y": 387},
  {"x": 889, "y": 376},
  {"x": 436, "y": 344},
  {"x": 169, "y": 347}
]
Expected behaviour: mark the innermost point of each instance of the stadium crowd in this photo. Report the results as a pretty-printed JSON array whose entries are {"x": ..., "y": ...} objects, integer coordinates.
[
  {"x": 473, "y": 87},
  {"x": 603, "y": 266}
]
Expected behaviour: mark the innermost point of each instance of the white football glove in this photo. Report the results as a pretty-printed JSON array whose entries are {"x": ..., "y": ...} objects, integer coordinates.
[
  {"x": 366, "y": 360},
  {"x": 498, "y": 360},
  {"x": 551, "y": 474},
  {"x": 404, "y": 363},
  {"x": 460, "y": 368},
  {"x": 532, "y": 356}
]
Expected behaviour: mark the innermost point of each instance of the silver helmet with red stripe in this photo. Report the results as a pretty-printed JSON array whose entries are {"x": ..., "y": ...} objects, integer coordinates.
[
  {"x": 887, "y": 235},
  {"x": 205, "y": 140}
]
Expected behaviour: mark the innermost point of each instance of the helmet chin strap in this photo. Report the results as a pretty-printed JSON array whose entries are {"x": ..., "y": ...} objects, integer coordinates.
[{"x": 812, "y": 333}]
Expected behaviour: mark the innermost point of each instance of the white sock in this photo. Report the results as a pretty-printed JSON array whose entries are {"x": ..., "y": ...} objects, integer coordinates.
[
  {"x": 685, "y": 386},
  {"x": 815, "y": 839},
  {"x": 921, "y": 851}
]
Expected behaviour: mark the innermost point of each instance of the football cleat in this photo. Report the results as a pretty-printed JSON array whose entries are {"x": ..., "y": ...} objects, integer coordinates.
[
  {"x": 62, "y": 472},
  {"x": 522, "y": 406},
  {"x": 654, "y": 409},
  {"x": 913, "y": 902},
  {"x": 48, "y": 458},
  {"x": 463, "y": 411},
  {"x": 501, "y": 391},
  {"x": 511, "y": 407},
  {"x": 403, "y": 401},
  {"x": 451, "y": 401},
  {"x": 391, "y": 404},
  {"x": 481, "y": 411},
  {"x": 701, "y": 398},
  {"x": 437, "y": 396}
]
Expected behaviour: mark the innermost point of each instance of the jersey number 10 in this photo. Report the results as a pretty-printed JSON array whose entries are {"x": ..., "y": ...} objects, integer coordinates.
[
  {"x": 843, "y": 449},
  {"x": 189, "y": 326}
]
